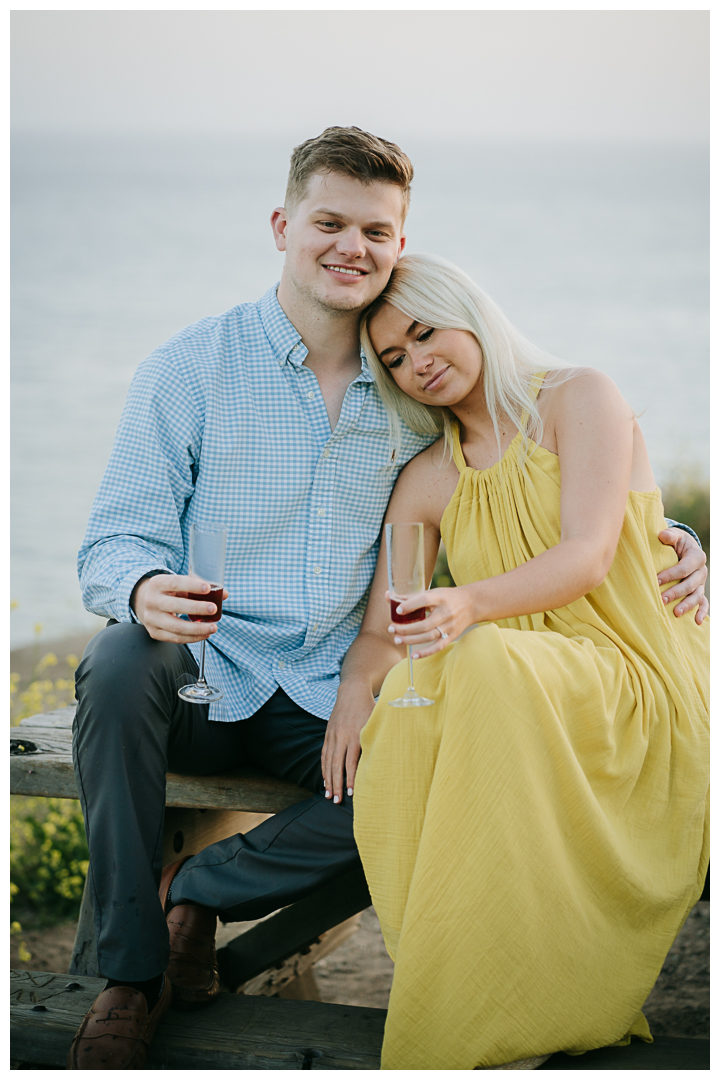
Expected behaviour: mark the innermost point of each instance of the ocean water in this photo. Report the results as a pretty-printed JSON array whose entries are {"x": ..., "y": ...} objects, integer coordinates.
[{"x": 598, "y": 253}]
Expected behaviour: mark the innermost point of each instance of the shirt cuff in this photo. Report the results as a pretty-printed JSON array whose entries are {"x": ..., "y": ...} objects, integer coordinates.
[
  {"x": 126, "y": 592},
  {"x": 685, "y": 528}
]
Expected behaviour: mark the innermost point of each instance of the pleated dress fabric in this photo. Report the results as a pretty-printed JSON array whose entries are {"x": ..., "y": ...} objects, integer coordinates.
[{"x": 535, "y": 839}]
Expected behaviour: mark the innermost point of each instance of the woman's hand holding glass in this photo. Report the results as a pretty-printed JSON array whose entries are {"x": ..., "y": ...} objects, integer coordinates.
[{"x": 449, "y": 613}]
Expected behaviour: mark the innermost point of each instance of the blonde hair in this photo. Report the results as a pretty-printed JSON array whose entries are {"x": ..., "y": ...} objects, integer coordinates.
[{"x": 436, "y": 293}]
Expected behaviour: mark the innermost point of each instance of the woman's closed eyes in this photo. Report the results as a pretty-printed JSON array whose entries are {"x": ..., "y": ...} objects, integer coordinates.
[{"x": 423, "y": 336}]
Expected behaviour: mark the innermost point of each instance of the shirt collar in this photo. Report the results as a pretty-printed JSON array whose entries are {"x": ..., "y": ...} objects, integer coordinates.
[
  {"x": 284, "y": 339},
  {"x": 366, "y": 375}
]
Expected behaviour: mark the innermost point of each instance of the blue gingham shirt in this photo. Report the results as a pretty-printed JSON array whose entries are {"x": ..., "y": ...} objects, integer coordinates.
[{"x": 224, "y": 423}]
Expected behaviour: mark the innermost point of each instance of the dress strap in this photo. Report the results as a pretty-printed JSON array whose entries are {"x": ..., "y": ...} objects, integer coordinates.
[
  {"x": 458, "y": 456},
  {"x": 534, "y": 389},
  {"x": 536, "y": 383}
]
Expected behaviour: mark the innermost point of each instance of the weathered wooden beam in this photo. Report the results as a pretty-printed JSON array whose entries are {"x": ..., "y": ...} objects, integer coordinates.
[
  {"x": 250, "y": 790},
  {"x": 189, "y": 830},
  {"x": 304, "y": 988},
  {"x": 665, "y": 1052},
  {"x": 241, "y": 1032},
  {"x": 237, "y": 1032},
  {"x": 292, "y": 930},
  {"x": 293, "y": 976},
  {"x": 48, "y": 771}
]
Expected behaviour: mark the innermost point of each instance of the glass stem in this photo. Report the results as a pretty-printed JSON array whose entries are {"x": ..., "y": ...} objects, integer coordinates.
[
  {"x": 201, "y": 680},
  {"x": 410, "y": 670}
]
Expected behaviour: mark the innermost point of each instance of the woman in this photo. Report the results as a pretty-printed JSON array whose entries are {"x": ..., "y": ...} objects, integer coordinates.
[{"x": 535, "y": 839}]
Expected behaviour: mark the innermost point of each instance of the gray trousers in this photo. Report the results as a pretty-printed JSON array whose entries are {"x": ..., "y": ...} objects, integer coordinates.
[{"x": 130, "y": 729}]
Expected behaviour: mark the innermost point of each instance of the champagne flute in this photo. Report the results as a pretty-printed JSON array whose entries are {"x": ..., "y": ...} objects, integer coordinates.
[
  {"x": 406, "y": 578},
  {"x": 208, "y": 540}
]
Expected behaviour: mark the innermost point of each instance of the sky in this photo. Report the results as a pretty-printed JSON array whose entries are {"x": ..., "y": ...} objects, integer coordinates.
[{"x": 550, "y": 75}]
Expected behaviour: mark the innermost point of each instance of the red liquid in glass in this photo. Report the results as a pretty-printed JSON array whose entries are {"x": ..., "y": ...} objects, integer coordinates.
[
  {"x": 408, "y": 617},
  {"x": 215, "y": 596}
]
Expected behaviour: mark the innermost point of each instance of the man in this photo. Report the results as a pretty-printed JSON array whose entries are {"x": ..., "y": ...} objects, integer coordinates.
[{"x": 265, "y": 418}]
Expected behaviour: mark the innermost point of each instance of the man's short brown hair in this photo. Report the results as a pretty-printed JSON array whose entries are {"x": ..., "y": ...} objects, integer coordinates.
[{"x": 353, "y": 152}]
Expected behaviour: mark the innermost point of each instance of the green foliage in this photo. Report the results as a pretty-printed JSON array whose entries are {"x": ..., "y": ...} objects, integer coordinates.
[
  {"x": 24, "y": 955},
  {"x": 48, "y": 851},
  {"x": 43, "y": 694},
  {"x": 48, "y": 855},
  {"x": 442, "y": 578},
  {"x": 687, "y": 499}
]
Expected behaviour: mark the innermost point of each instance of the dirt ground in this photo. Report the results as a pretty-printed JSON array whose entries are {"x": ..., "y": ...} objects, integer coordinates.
[{"x": 360, "y": 971}]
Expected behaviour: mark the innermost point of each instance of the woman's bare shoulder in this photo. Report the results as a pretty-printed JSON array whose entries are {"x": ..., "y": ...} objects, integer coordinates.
[
  {"x": 427, "y": 483},
  {"x": 569, "y": 389},
  {"x": 431, "y": 466}
]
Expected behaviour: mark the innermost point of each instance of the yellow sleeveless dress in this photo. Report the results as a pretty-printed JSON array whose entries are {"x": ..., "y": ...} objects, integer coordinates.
[{"x": 534, "y": 841}]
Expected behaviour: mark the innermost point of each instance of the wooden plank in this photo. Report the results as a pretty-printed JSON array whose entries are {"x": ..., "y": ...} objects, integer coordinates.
[
  {"x": 51, "y": 740},
  {"x": 48, "y": 772},
  {"x": 43, "y": 774},
  {"x": 292, "y": 930},
  {"x": 251, "y": 790},
  {"x": 56, "y": 718},
  {"x": 189, "y": 830},
  {"x": 237, "y": 1032},
  {"x": 241, "y": 1032},
  {"x": 289, "y": 977},
  {"x": 304, "y": 988},
  {"x": 666, "y": 1052}
]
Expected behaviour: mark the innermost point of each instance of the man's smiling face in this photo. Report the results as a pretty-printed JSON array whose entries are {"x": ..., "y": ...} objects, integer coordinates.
[{"x": 341, "y": 241}]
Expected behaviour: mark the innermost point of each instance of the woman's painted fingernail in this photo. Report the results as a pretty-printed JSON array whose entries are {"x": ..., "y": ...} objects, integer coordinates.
[
  {"x": 350, "y": 791},
  {"x": 665, "y": 598},
  {"x": 416, "y": 656},
  {"x": 336, "y": 798},
  {"x": 400, "y": 611},
  {"x": 391, "y": 629},
  {"x": 327, "y": 794},
  {"x": 398, "y": 641}
]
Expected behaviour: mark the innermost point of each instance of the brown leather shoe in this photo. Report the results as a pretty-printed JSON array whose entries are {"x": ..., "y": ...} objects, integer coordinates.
[
  {"x": 117, "y": 1030},
  {"x": 192, "y": 968}
]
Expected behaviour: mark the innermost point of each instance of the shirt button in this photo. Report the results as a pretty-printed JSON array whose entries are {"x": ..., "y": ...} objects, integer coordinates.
[
  {"x": 326, "y": 454},
  {"x": 294, "y": 348},
  {"x": 317, "y": 569},
  {"x": 281, "y": 663},
  {"x": 311, "y": 395},
  {"x": 315, "y": 626},
  {"x": 321, "y": 512}
]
